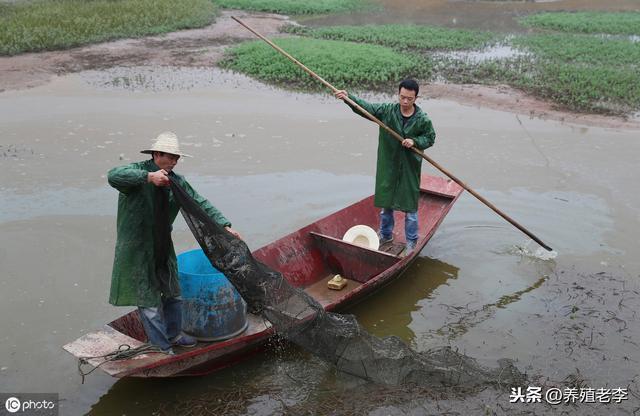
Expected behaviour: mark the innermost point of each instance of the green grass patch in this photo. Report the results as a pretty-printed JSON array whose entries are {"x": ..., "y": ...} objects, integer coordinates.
[
  {"x": 581, "y": 49},
  {"x": 615, "y": 23},
  {"x": 343, "y": 64},
  {"x": 48, "y": 25},
  {"x": 297, "y": 7},
  {"x": 592, "y": 88},
  {"x": 405, "y": 37},
  {"x": 579, "y": 87},
  {"x": 489, "y": 72},
  {"x": 580, "y": 72}
]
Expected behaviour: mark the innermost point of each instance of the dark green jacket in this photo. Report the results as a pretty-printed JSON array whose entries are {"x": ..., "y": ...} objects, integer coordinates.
[
  {"x": 398, "y": 168},
  {"x": 134, "y": 261}
]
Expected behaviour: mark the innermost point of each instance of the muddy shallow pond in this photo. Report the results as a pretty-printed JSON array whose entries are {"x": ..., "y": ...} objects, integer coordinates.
[{"x": 274, "y": 161}]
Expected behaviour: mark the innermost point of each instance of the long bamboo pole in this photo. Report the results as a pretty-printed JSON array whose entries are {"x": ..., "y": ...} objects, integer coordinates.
[{"x": 398, "y": 137}]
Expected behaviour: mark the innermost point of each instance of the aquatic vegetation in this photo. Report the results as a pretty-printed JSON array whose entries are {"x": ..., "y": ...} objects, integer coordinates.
[
  {"x": 594, "y": 88},
  {"x": 581, "y": 49},
  {"x": 617, "y": 23},
  {"x": 344, "y": 64},
  {"x": 579, "y": 72},
  {"x": 401, "y": 36},
  {"x": 296, "y": 7},
  {"x": 48, "y": 25},
  {"x": 583, "y": 72}
]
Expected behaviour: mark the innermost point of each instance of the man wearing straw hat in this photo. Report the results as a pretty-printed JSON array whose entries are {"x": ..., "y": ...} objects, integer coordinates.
[
  {"x": 398, "y": 168},
  {"x": 145, "y": 266}
]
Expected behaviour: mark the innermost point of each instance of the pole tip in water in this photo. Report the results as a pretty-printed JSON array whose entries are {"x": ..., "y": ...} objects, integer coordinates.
[{"x": 545, "y": 253}]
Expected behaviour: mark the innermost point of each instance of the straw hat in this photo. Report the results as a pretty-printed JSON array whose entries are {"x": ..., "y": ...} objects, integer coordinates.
[
  {"x": 362, "y": 235},
  {"x": 166, "y": 142}
]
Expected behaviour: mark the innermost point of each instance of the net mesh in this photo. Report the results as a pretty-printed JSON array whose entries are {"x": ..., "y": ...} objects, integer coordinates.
[{"x": 336, "y": 338}]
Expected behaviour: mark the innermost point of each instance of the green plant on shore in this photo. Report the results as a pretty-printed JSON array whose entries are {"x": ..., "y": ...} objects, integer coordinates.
[
  {"x": 47, "y": 25},
  {"x": 296, "y": 7},
  {"x": 616, "y": 23},
  {"x": 343, "y": 64},
  {"x": 579, "y": 72},
  {"x": 583, "y": 72},
  {"x": 581, "y": 49},
  {"x": 593, "y": 88},
  {"x": 401, "y": 36}
]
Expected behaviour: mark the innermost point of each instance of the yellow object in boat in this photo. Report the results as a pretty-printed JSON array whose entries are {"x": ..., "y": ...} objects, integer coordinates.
[{"x": 337, "y": 282}]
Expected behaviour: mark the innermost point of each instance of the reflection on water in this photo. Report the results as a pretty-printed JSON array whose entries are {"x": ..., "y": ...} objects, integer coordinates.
[{"x": 389, "y": 311}]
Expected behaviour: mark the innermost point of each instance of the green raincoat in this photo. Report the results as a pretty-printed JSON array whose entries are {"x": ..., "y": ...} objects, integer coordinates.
[
  {"x": 398, "y": 168},
  {"x": 134, "y": 262}
]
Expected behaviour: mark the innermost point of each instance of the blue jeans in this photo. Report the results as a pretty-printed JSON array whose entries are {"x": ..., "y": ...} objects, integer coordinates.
[
  {"x": 163, "y": 323},
  {"x": 410, "y": 224}
]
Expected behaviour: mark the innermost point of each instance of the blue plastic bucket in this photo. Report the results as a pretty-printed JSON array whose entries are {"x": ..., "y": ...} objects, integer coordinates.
[{"x": 212, "y": 309}]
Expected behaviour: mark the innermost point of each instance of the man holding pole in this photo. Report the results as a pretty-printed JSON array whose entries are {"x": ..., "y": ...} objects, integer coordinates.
[
  {"x": 398, "y": 168},
  {"x": 422, "y": 137}
]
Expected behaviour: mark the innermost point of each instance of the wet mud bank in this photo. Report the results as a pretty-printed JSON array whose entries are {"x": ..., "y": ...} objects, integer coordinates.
[
  {"x": 203, "y": 48},
  {"x": 188, "y": 48},
  {"x": 506, "y": 98}
]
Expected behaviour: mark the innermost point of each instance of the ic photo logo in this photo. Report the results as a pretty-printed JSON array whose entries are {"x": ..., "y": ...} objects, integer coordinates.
[
  {"x": 12, "y": 404},
  {"x": 29, "y": 404}
]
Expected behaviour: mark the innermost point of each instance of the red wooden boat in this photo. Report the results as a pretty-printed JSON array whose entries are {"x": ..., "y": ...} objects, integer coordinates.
[{"x": 307, "y": 258}]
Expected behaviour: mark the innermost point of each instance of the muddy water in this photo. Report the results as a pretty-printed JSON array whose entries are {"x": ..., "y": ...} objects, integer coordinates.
[
  {"x": 274, "y": 161},
  {"x": 493, "y": 15}
]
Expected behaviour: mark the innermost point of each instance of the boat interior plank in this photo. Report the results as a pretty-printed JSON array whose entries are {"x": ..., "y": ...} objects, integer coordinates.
[{"x": 325, "y": 296}]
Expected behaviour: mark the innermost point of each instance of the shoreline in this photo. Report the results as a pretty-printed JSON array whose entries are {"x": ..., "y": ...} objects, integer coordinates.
[{"x": 204, "y": 47}]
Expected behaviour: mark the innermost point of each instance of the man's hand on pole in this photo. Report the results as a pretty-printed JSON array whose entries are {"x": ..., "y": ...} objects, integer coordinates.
[{"x": 341, "y": 94}]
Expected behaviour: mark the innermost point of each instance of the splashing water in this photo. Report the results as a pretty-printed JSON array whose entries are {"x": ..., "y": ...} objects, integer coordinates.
[
  {"x": 537, "y": 254},
  {"x": 543, "y": 254}
]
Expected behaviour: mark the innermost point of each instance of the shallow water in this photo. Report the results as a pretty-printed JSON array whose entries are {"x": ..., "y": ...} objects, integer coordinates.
[
  {"x": 489, "y": 53},
  {"x": 274, "y": 161}
]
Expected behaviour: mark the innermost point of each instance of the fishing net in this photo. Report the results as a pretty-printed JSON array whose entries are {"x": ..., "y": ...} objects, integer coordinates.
[{"x": 336, "y": 338}]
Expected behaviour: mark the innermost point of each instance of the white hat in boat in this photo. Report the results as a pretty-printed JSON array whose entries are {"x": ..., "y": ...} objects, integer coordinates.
[
  {"x": 166, "y": 142},
  {"x": 362, "y": 235}
]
